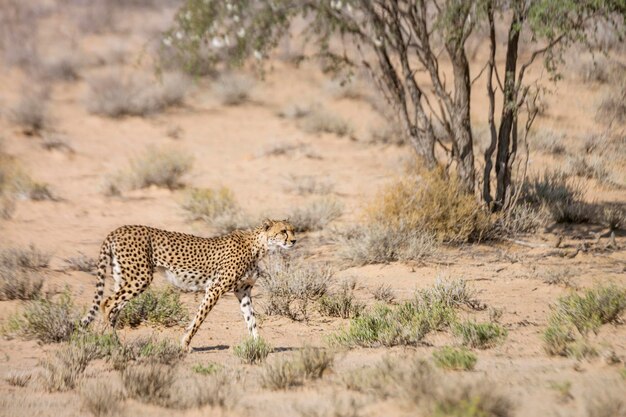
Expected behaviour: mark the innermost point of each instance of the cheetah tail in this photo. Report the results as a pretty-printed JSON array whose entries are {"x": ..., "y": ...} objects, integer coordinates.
[{"x": 103, "y": 261}]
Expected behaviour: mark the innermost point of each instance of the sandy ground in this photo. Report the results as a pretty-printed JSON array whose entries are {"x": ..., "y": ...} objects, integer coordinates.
[{"x": 227, "y": 144}]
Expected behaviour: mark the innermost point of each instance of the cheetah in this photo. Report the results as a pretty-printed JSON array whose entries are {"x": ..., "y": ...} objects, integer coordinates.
[{"x": 216, "y": 265}]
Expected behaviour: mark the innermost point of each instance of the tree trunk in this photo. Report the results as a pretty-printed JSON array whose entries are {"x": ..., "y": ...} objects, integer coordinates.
[{"x": 503, "y": 174}]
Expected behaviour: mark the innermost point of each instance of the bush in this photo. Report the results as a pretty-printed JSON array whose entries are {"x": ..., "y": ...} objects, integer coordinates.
[
  {"x": 207, "y": 204},
  {"x": 435, "y": 205},
  {"x": 592, "y": 167},
  {"x": 450, "y": 293},
  {"x": 612, "y": 105},
  {"x": 384, "y": 293},
  {"x": 31, "y": 112},
  {"x": 280, "y": 374},
  {"x": 455, "y": 359},
  {"x": 252, "y": 350},
  {"x": 376, "y": 243},
  {"x": 310, "y": 363},
  {"x": 385, "y": 134},
  {"x": 155, "y": 307},
  {"x": 549, "y": 141},
  {"x": 31, "y": 258},
  {"x": 18, "y": 378},
  {"x": 82, "y": 263},
  {"x": 18, "y": 284},
  {"x": 149, "y": 382},
  {"x": 316, "y": 215},
  {"x": 46, "y": 320},
  {"x": 319, "y": 121},
  {"x": 116, "y": 95},
  {"x": 480, "y": 335},
  {"x": 64, "y": 369},
  {"x": 233, "y": 89},
  {"x": 101, "y": 398},
  {"x": 291, "y": 287},
  {"x": 208, "y": 369},
  {"x": 308, "y": 184},
  {"x": 162, "y": 168},
  {"x": 342, "y": 303},
  {"x": 561, "y": 197}
]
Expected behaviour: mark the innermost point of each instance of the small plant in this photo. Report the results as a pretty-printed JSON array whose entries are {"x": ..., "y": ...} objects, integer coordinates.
[
  {"x": 207, "y": 204},
  {"x": 31, "y": 112},
  {"x": 101, "y": 398},
  {"x": 385, "y": 134},
  {"x": 47, "y": 320},
  {"x": 319, "y": 121},
  {"x": 384, "y": 293},
  {"x": 316, "y": 215},
  {"x": 342, "y": 303},
  {"x": 252, "y": 351},
  {"x": 64, "y": 369},
  {"x": 451, "y": 293},
  {"x": 18, "y": 378},
  {"x": 291, "y": 287},
  {"x": 310, "y": 363},
  {"x": 313, "y": 362},
  {"x": 563, "y": 389},
  {"x": 308, "y": 184},
  {"x": 208, "y": 369},
  {"x": 479, "y": 335},
  {"x": 233, "y": 89},
  {"x": 612, "y": 105},
  {"x": 559, "y": 277},
  {"x": 82, "y": 263},
  {"x": 159, "y": 167},
  {"x": 549, "y": 141},
  {"x": 455, "y": 359},
  {"x": 154, "y": 306}
]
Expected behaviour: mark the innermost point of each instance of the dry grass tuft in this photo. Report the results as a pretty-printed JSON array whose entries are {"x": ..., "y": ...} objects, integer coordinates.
[
  {"x": 82, "y": 263},
  {"x": 252, "y": 350},
  {"x": 604, "y": 401},
  {"x": 291, "y": 287},
  {"x": 612, "y": 105},
  {"x": 63, "y": 370},
  {"x": 455, "y": 359},
  {"x": 233, "y": 89},
  {"x": 316, "y": 215},
  {"x": 549, "y": 141},
  {"x": 319, "y": 121},
  {"x": 19, "y": 284},
  {"x": 102, "y": 398},
  {"x": 384, "y": 293},
  {"x": 280, "y": 374},
  {"x": 309, "y": 363},
  {"x": 208, "y": 204},
  {"x": 149, "y": 382},
  {"x": 385, "y": 134},
  {"x": 18, "y": 378},
  {"x": 116, "y": 95},
  {"x": 308, "y": 184}
]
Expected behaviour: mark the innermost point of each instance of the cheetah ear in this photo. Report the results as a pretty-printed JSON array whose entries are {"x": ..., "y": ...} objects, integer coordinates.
[{"x": 267, "y": 223}]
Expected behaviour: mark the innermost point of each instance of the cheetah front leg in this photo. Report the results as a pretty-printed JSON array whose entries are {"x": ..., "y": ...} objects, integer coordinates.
[
  {"x": 211, "y": 295},
  {"x": 244, "y": 295}
]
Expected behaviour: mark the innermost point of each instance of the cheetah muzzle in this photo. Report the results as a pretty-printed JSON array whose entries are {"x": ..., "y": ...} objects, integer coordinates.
[{"x": 213, "y": 265}]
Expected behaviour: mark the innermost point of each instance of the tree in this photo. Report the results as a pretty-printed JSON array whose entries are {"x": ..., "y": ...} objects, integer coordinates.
[{"x": 394, "y": 40}]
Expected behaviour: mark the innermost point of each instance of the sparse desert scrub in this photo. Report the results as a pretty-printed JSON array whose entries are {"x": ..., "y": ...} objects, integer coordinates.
[
  {"x": 31, "y": 112},
  {"x": 454, "y": 358},
  {"x": 102, "y": 397},
  {"x": 575, "y": 315},
  {"x": 450, "y": 293},
  {"x": 593, "y": 166},
  {"x": 559, "y": 195},
  {"x": 522, "y": 218},
  {"x": 613, "y": 217},
  {"x": 18, "y": 284},
  {"x": 252, "y": 350},
  {"x": 46, "y": 319},
  {"x": 146, "y": 350},
  {"x": 18, "y": 378},
  {"x": 208, "y": 369},
  {"x": 316, "y": 215},
  {"x": 159, "y": 167},
  {"x": 191, "y": 391},
  {"x": 233, "y": 89},
  {"x": 321, "y": 121},
  {"x": 294, "y": 111},
  {"x": 385, "y": 134},
  {"x": 376, "y": 243},
  {"x": 341, "y": 303},
  {"x": 280, "y": 374},
  {"x": 149, "y": 382},
  {"x": 63, "y": 369},
  {"x": 155, "y": 306},
  {"x": 16, "y": 184},
  {"x": 62, "y": 65},
  {"x": 611, "y": 107},
  {"x": 291, "y": 287},
  {"x": 340, "y": 88},
  {"x": 208, "y": 204},
  {"x": 81, "y": 262},
  {"x": 29, "y": 258},
  {"x": 604, "y": 401},
  {"x": 549, "y": 141},
  {"x": 479, "y": 335},
  {"x": 307, "y": 184},
  {"x": 116, "y": 95},
  {"x": 416, "y": 382}
]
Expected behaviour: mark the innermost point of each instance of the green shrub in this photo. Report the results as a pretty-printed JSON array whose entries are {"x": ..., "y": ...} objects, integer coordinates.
[
  {"x": 456, "y": 359},
  {"x": 252, "y": 350},
  {"x": 46, "y": 319},
  {"x": 208, "y": 369},
  {"x": 479, "y": 335},
  {"x": 154, "y": 306},
  {"x": 341, "y": 303}
]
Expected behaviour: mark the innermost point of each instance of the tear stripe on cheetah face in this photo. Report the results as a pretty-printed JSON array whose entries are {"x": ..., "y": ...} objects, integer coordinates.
[{"x": 215, "y": 265}]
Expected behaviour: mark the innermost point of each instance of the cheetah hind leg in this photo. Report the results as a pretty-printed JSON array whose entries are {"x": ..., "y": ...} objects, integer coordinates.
[{"x": 112, "y": 306}]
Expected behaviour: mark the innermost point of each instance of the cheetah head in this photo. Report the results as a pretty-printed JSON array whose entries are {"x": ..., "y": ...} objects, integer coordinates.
[{"x": 280, "y": 233}]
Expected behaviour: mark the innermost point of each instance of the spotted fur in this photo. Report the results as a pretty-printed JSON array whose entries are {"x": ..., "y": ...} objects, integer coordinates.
[{"x": 216, "y": 265}]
